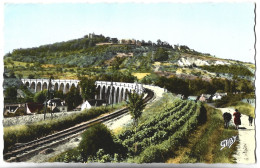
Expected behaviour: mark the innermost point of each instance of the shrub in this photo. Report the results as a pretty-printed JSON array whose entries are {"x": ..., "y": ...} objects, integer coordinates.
[
  {"x": 14, "y": 134},
  {"x": 95, "y": 138}
]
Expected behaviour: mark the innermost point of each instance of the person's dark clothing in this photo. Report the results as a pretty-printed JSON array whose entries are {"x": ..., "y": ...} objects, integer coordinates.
[
  {"x": 227, "y": 117},
  {"x": 250, "y": 119},
  {"x": 237, "y": 120}
]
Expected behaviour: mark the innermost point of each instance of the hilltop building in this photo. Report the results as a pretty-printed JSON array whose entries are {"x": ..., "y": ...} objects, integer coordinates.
[
  {"x": 127, "y": 41},
  {"x": 93, "y": 35}
]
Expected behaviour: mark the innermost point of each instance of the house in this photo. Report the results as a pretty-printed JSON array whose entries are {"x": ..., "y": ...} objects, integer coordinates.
[
  {"x": 127, "y": 41},
  {"x": 34, "y": 107},
  {"x": 56, "y": 105},
  {"x": 113, "y": 40},
  {"x": 194, "y": 98},
  {"x": 12, "y": 108},
  {"x": 92, "y": 103},
  {"x": 93, "y": 35},
  {"x": 205, "y": 97},
  {"x": 218, "y": 96}
]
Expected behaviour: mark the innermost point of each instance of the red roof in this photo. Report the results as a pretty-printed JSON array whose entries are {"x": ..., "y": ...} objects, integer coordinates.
[{"x": 35, "y": 107}]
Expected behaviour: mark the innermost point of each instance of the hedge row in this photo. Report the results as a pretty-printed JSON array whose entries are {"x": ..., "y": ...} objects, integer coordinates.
[{"x": 25, "y": 133}]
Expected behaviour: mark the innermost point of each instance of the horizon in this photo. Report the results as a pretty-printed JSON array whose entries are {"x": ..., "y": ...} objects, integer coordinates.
[
  {"x": 125, "y": 38},
  {"x": 224, "y": 30}
]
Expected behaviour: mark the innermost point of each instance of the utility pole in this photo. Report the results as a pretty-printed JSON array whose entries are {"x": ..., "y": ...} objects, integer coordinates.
[
  {"x": 48, "y": 92},
  {"x": 112, "y": 92}
]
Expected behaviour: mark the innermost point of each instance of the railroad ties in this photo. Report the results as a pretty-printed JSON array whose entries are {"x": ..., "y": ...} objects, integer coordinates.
[{"x": 24, "y": 151}]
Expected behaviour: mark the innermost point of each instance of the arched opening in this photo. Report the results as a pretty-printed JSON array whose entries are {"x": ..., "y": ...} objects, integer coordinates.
[
  {"x": 108, "y": 95},
  {"x": 27, "y": 84},
  {"x": 117, "y": 95},
  {"x": 38, "y": 87},
  {"x": 78, "y": 87},
  {"x": 103, "y": 93},
  {"x": 67, "y": 88},
  {"x": 113, "y": 95},
  {"x": 98, "y": 93},
  {"x": 126, "y": 94},
  {"x": 44, "y": 86},
  {"x": 62, "y": 87},
  {"x": 56, "y": 86},
  {"x": 32, "y": 86},
  {"x": 121, "y": 95}
]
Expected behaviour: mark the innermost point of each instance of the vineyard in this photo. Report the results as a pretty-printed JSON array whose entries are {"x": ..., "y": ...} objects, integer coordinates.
[
  {"x": 162, "y": 132},
  {"x": 164, "y": 128}
]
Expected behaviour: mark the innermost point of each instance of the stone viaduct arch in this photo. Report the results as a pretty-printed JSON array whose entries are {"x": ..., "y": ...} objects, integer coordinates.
[
  {"x": 116, "y": 91},
  {"x": 58, "y": 84},
  {"x": 112, "y": 92}
]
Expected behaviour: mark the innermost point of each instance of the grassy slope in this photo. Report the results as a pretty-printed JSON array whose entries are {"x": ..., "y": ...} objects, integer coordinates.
[
  {"x": 204, "y": 144},
  {"x": 245, "y": 108}
]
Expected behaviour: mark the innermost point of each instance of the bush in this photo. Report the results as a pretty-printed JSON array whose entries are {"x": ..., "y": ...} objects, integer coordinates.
[
  {"x": 95, "y": 138},
  {"x": 14, "y": 134}
]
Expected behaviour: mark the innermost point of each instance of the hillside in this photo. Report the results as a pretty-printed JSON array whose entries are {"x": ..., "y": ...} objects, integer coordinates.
[{"x": 97, "y": 54}]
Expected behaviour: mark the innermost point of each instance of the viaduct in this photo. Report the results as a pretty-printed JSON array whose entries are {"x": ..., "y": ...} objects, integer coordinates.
[{"x": 111, "y": 91}]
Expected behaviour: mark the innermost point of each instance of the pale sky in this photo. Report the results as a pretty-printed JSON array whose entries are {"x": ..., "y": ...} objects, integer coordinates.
[{"x": 225, "y": 30}]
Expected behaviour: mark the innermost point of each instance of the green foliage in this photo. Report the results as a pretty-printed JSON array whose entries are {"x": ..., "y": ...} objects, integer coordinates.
[
  {"x": 206, "y": 148},
  {"x": 88, "y": 88},
  {"x": 40, "y": 97},
  {"x": 150, "y": 79},
  {"x": 181, "y": 129},
  {"x": 161, "y": 54},
  {"x": 117, "y": 62},
  {"x": 25, "y": 133},
  {"x": 174, "y": 85},
  {"x": 31, "y": 76},
  {"x": 95, "y": 138},
  {"x": 160, "y": 127},
  {"x": 59, "y": 94},
  {"x": 73, "y": 98},
  {"x": 118, "y": 76},
  {"x": 229, "y": 100},
  {"x": 198, "y": 86},
  {"x": 135, "y": 105},
  {"x": 11, "y": 93},
  {"x": 230, "y": 69}
]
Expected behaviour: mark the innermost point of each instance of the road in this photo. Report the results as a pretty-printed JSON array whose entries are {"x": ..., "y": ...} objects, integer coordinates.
[{"x": 245, "y": 153}]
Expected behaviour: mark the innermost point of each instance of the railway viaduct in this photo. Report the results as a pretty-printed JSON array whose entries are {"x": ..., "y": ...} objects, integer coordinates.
[
  {"x": 58, "y": 84},
  {"x": 113, "y": 92}
]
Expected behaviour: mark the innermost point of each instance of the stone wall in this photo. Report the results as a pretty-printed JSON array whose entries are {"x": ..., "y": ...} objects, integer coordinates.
[{"x": 28, "y": 119}]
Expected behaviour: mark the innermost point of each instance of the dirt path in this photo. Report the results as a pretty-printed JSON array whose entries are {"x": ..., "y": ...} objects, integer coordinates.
[{"x": 246, "y": 148}]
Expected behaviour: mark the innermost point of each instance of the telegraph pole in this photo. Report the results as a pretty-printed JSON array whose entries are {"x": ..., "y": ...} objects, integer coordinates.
[
  {"x": 112, "y": 92},
  {"x": 48, "y": 92}
]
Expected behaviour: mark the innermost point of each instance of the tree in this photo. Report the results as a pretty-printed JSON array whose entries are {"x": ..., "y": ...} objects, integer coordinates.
[
  {"x": 31, "y": 76},
  {"x": 20, "y": 76},
  {"x": 11, "y": 93},
  {"x": 161, "y": 55},
  {"x": 59, "y": 94},
  {"x": 88, "y": 88},
  {"x": 73, "y": 98},
  {"x": 135, "y": 106},
  {"x": 40, "y": 97},
  {"x": 159, "y": 42},
  {"x": 12, "y": 75},
  {"x": 95, "y": 138}
]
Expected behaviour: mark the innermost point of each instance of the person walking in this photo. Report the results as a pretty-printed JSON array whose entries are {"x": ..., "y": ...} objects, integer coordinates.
[
  {"x": 227, "y": 117},
  {"x": 237, "y": 119},
  {"x": 250, "y": 119}
]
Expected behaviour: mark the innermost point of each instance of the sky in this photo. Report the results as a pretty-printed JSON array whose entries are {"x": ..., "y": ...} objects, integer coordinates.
[{"x": 225, "y": 30}]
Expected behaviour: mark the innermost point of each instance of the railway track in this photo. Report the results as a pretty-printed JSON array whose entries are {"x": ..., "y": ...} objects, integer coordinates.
[{"x": 24, "y": 151}]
